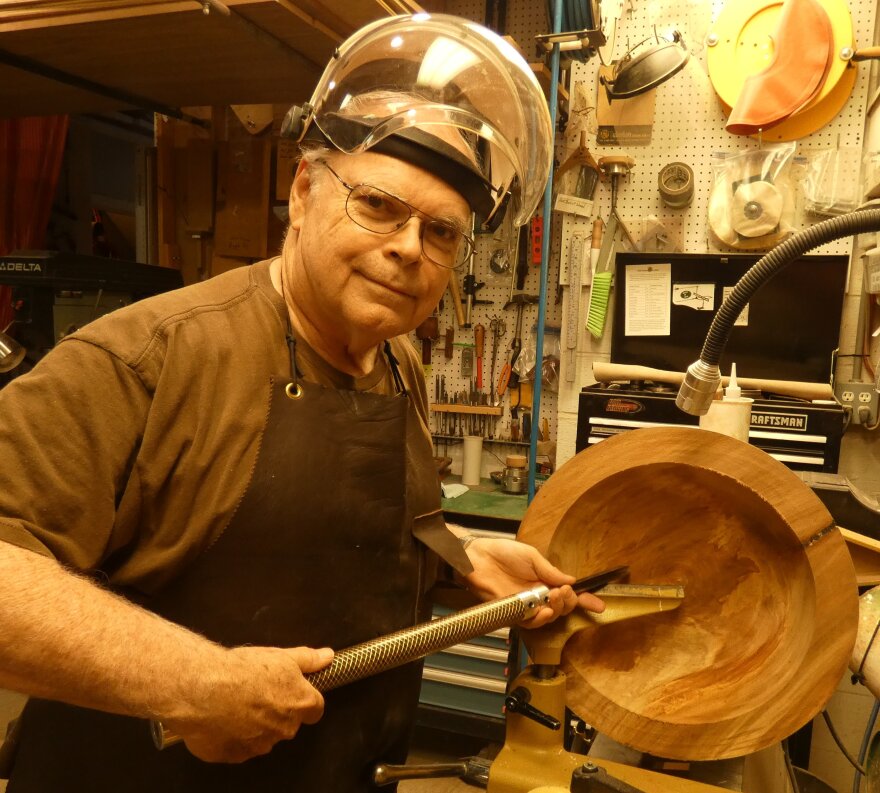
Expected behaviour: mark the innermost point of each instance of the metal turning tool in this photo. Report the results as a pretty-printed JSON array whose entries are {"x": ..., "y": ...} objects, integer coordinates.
[
  {"x": 593, "y": 583},
  {"x": 395, "y": 649}
]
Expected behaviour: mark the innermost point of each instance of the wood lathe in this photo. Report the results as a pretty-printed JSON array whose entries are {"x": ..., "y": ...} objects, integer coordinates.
[
  {"x": 748, "y": 655},
  {"x": 740, "y": 624}
]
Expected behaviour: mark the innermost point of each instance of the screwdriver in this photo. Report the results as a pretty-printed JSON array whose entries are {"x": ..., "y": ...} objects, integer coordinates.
[{"x": 503, "y": 380}]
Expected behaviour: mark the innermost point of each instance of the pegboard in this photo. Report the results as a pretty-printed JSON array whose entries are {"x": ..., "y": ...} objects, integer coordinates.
[
  {"x": 497, "y": 289},
  {"x": 688, "y": 126},
  {"x": 689, "y": 123},
  {"x": 688, "y": 120},
  {"x": 525, "y": 20}
]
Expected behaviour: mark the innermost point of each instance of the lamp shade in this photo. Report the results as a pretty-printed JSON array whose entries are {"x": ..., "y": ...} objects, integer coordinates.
[{"x": 11, "y": 353}]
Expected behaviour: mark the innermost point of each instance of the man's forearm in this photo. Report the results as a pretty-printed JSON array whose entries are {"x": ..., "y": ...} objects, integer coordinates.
[{"x": 63, "y": 637}]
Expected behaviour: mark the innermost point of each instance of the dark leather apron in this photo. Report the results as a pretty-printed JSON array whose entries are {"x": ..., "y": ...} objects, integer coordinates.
[{"x": 320, "y": 552}]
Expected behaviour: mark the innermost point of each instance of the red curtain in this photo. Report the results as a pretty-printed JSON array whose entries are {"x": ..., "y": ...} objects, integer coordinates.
[{"x": 31, "y": 152}]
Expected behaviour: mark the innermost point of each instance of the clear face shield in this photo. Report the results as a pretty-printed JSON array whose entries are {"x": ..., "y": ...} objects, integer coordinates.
[{"x": 447, "y": 95}]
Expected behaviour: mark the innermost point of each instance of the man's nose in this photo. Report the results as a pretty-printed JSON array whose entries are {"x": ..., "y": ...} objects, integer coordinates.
[{"x": 406, "y": 242}]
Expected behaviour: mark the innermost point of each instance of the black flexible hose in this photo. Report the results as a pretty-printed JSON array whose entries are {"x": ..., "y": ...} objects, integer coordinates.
[{"x": 857, "y": 222}]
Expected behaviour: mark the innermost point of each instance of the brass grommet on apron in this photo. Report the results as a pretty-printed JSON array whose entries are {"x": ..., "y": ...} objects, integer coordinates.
[{"x": 293, "y": 390}]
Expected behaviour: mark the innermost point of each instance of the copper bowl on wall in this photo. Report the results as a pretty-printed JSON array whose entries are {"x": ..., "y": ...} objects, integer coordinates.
[{"x": 770, "y": 612}]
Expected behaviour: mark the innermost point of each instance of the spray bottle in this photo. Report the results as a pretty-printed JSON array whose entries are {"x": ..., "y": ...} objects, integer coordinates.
[{"x": 732, "y": 414}]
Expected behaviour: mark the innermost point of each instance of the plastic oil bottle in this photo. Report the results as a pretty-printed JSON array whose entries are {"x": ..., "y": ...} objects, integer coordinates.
[{"x": 732, "y": 414}]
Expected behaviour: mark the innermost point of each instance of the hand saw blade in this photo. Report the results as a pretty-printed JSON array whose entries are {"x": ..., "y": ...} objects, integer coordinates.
[{"x": 605, "y": 262}]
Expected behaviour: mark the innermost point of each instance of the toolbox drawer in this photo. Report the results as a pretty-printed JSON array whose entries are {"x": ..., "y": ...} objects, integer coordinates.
[
  {"x": 463, "y": 692},
  {"x": 470, "y": 677},
  {"x": 473, "y": 659}
]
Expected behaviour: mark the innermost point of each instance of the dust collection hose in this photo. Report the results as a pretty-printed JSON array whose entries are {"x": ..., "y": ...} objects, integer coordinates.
[
  {"x": 704, "y": 376},
  {"x": 410, "y": 644}
]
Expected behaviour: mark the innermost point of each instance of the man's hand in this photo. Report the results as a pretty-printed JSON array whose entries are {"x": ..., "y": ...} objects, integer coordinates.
[
  {"x": 505, "y": 567},
  {"x": 259, "y": 699},
  {"x": 63, "y": 637}
]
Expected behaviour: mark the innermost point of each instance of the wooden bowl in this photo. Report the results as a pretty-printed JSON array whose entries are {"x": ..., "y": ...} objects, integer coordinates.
[{"x": 769, "y": 618}]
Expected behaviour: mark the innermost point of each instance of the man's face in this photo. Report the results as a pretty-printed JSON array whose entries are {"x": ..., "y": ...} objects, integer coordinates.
[{"x": 358, "y": 284}]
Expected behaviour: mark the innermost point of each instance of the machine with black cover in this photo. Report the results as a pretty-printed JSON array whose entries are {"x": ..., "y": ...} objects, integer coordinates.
[{"x": 54, "y": 294}]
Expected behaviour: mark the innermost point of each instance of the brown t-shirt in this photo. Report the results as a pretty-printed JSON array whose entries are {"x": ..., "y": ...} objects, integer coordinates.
[{"x": 129, "y": 445}]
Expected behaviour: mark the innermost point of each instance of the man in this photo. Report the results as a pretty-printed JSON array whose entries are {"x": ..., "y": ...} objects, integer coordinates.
[{"x": 241, "y": 474}]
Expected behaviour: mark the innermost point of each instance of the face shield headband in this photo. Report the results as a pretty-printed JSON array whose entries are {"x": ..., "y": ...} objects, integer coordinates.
[
  {"x": 412, "y": 145},
  {"x": 413, "y": 84}
]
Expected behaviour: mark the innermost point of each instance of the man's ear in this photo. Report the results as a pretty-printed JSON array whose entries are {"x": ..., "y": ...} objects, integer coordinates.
[{"x": 299, "y": 193}]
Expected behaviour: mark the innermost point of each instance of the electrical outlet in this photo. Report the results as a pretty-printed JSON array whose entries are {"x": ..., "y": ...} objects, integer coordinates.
[{"x": 860, "y": 398}]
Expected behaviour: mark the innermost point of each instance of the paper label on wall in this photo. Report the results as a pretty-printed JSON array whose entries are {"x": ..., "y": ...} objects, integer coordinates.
[
  {"x": 743, "y": 318},
  {"x": 648, "y": 304},
  {"x": 624, "y": 122},
  {"x": 700, "y": 297},
  {"x": 872, "y": 272},
  {"x": 574, "y": 204}
]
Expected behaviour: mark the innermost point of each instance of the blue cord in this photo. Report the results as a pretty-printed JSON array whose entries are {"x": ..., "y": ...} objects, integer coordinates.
[{"x": 545, "y": 258}]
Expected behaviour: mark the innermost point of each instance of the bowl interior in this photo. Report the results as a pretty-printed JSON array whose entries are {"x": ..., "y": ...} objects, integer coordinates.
[{"x": 745, "y": 622}]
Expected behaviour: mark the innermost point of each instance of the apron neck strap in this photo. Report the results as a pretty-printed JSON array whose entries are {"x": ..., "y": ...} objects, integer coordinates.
[
  {"x": 291, "y": 347},
  {"x": 392, "y": 362},
  {"x": 395, "y": 370}
]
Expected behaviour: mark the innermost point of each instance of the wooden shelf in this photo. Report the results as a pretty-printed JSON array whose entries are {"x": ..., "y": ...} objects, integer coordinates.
[
  {"x": 166, "y": 53},
  {"x": 438, "y": 438}
]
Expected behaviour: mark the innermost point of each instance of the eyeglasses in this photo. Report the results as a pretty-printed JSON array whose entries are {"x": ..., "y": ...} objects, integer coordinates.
[{"x": 383, "y": 213}]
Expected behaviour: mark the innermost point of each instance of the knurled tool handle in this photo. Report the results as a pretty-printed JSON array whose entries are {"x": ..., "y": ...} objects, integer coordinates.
[{"x": 410, "y": 644}]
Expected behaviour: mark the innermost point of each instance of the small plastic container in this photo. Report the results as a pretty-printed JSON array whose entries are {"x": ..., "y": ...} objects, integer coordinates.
[{"x": 732, "y": 414}]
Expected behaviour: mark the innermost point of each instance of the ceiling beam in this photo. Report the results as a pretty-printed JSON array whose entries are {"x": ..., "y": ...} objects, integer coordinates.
[
  {"x": 24, "y": 14},
  {"x": 410, "y": 7},
  {"x": 259, "y": 33},
  {"x": 126, "y": 98},
  {"x": 337, "y": 36}
]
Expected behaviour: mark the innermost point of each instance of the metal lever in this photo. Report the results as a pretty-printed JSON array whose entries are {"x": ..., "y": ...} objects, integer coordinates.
[
  {"x": 589, "y": 778},
  {"x": 389, "y": 774},
  {"x": 517, "y": 701},
  {"x": 474, "y": 770}
]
